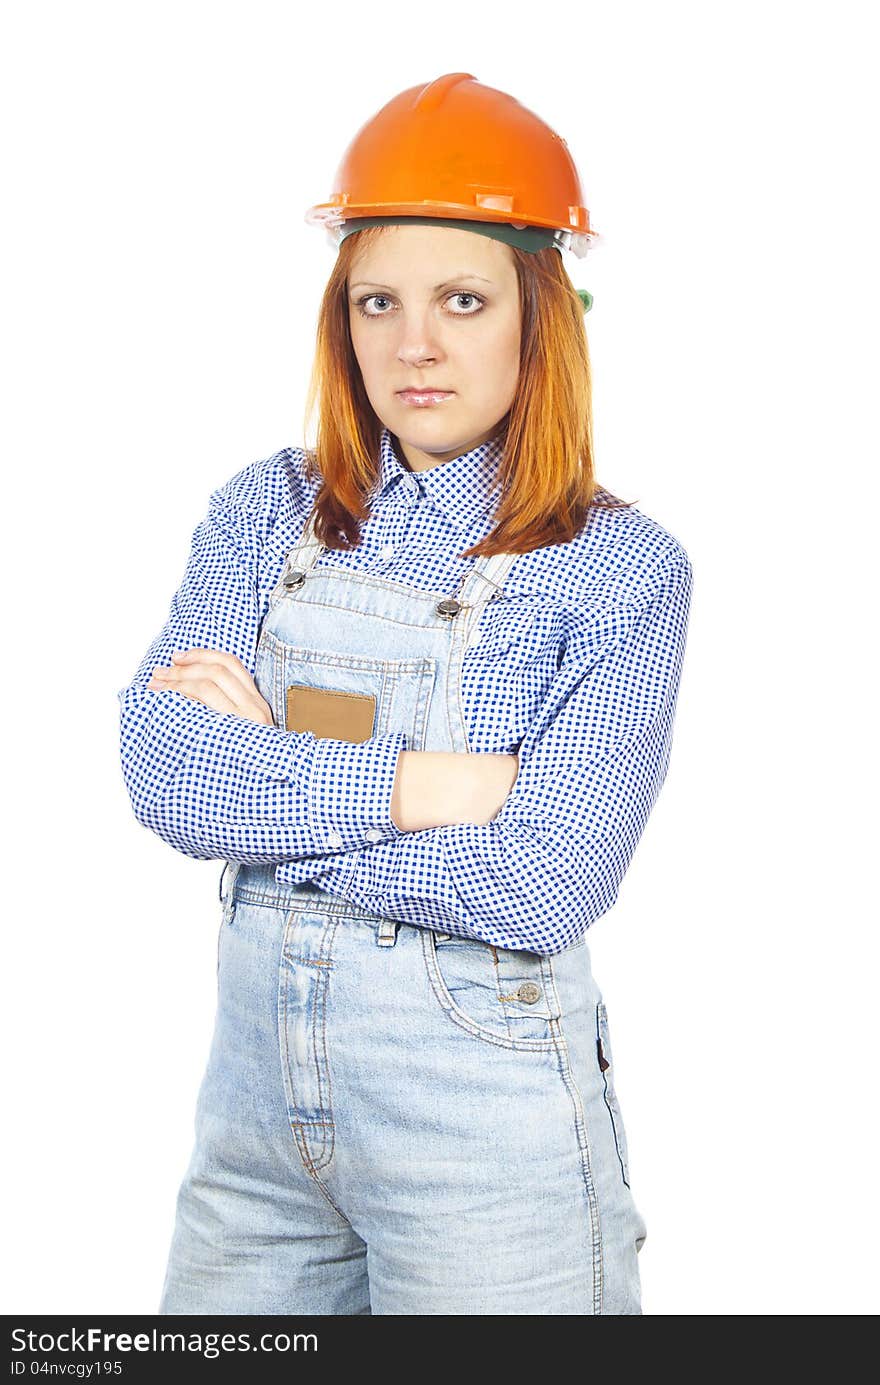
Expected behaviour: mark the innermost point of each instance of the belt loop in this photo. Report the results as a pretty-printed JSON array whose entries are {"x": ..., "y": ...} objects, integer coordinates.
[{"x": 387, "y": 933}]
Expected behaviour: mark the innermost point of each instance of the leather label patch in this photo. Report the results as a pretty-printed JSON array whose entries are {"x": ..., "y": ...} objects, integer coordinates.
[{"x": 340, "y": 716}]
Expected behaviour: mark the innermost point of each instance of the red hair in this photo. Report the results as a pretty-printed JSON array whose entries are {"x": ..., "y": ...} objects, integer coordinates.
[{"x": 546, "y": 467}]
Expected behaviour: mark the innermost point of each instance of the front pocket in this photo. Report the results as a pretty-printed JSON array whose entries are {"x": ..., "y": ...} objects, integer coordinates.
[
  {"x": 504, "y": 996},
  {"x": 303, "y": 1000},
  {"x": 606, "y": 1064}
]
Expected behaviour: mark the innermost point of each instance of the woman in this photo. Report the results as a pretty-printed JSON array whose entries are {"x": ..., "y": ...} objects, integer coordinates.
[{"x": 417, "y": 690}]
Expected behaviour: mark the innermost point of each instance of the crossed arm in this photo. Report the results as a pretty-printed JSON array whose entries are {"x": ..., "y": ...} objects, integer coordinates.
[
  {"x": 520, "y": 850},
  {"x": 432, "y": 788}
]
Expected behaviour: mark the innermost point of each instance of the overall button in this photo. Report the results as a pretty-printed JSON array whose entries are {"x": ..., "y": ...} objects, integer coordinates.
[
  {"x": 448, "y": 606},
  {"x": 294, "y": 579},
  {"x": 528, "y": 992}
]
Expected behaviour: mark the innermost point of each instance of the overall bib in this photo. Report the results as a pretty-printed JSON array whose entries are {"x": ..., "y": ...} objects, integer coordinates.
[{"x": 393, "y": 1119}]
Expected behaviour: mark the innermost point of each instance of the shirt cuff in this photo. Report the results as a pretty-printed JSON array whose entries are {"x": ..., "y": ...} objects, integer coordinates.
[{"x": 350, "y": 791}]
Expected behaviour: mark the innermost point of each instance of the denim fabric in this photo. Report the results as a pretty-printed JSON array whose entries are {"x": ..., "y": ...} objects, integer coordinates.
[{"x": 396, "y": 1119}]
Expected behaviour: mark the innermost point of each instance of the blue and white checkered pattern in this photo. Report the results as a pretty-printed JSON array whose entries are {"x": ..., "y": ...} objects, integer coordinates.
[{"x": 576, "y": 667}]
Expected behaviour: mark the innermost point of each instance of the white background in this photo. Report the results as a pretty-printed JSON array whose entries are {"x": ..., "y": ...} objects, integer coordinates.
[{"x": 159, "y": 305}]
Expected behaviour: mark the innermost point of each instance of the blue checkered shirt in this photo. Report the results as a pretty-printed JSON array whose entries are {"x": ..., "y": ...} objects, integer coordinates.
[{"x": 576, "y": 668}]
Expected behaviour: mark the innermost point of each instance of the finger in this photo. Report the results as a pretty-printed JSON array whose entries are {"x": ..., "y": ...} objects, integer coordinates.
[
  {"x": 228, "y": 695},
  {"x": 207, "y": 693},
  {"x": 186, "y": 675},
  {"x": 215, "y": 657},
  {"x": 197, "y": 655}
]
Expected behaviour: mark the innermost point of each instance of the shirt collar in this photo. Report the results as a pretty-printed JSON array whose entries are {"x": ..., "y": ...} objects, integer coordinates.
[{"x": 465, "y": 489}]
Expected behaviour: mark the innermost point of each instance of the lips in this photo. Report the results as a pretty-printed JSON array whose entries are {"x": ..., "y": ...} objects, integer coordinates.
[{"x": 412, "y": 396}]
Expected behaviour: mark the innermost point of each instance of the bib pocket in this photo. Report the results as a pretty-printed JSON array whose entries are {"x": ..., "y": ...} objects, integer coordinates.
[
  {"x": 503, "y": 996},
  {"x": 606, "y": 1064},
  {"x": 348, "y": 696}
]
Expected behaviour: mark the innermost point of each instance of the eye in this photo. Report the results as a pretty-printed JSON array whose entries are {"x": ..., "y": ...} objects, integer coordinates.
[
  {"x": 367, "y": 299},
  {"x": 384, "y": 298},
  {"x": 474, "y": 299}
]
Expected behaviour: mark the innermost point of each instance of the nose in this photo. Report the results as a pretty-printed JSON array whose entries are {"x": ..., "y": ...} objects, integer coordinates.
[{"x": 418, "y": 344}]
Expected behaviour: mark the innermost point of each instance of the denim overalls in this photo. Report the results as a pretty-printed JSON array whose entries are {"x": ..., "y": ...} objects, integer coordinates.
[{"x": 395, "y": 1120}]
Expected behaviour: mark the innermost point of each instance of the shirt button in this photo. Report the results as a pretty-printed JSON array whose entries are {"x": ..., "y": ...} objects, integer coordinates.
[
  {"x": 387, "y": 550},
  {"x": 528, "y": 992},
  {"x": 334, "y": 839},
  {"x": 373, "y": 834}
]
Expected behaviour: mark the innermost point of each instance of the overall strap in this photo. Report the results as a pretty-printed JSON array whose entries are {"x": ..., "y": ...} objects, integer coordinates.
[
  {"x": 489, "y": 570},
  {"x": 305, "y": 553},
  {"x": 485, "y": 579},
  {"x": 301, "y": 557},
  {"x": 494, "y": 568}
]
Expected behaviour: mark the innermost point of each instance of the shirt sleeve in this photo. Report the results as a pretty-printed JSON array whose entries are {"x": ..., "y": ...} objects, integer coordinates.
[
  {"x": 217, "y": 785},
  {"x": 591, "y": 767}
]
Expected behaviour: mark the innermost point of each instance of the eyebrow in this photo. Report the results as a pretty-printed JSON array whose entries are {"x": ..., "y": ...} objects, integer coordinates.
[{"x": 368, "y": 283}]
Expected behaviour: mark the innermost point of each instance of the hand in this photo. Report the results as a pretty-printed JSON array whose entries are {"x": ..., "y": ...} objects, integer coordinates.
[
  {"x": 217, "y": 679},
  {"x": 436, "y": 788},
  {"x": 497, "y": 775}
]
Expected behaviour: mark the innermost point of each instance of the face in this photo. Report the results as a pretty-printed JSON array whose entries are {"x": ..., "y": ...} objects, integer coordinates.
[{"x": 436, "y": 308}]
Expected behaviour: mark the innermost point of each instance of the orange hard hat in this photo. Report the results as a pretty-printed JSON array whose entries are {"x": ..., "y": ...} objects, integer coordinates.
[{"x": 457, "y": 150}]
